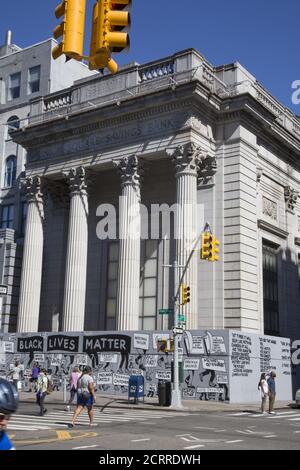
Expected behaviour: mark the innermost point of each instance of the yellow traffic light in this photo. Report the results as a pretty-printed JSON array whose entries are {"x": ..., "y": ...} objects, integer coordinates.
[
  {"x": 206, "y": 245},
  {"x": 185, "y": 294},
  {"x": 162, "y": 345},
  {"x": 71, "y": 29},
  {"x": 109, "y": 20},
  {"x": 214, "y": 249}
]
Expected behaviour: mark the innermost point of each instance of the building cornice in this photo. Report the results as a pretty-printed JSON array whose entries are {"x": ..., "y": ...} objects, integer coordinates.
[{"x": 262, "y": 224}]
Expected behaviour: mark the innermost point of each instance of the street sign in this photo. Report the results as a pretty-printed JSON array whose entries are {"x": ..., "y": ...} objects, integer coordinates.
[
  {"x": 165, "y": 311},
  {"x": 181, "y": 318},
  {"x": 3, "y": 290},
  {"x": 177, "y": 330}
]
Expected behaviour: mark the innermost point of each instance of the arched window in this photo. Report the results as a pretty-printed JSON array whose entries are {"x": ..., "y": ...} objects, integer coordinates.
[
  {"x": 10, "y": 171},
  {"x": 13, "y": 123}
]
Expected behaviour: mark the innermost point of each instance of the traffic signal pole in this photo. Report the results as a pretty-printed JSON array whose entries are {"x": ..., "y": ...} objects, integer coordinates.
[{"x": 176, "y": 393}]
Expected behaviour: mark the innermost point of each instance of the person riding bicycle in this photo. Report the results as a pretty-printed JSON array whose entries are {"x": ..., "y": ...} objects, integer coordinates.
[{"x": 9, "y": 400}]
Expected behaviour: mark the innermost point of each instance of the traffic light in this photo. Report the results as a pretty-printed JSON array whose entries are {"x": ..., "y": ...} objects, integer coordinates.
[
  {"x": 214, "y": 249},
  {"x": 185, "y": 294},
  {"x": 162, "y": 345},
  {"x": 71, "y": 29},
  {"x": 206, "y": 245},
  {"x": 109, "y": 19}
]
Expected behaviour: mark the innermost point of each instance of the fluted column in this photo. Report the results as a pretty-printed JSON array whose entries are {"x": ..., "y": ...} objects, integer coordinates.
[
  {"x": 129, "y": 249},
  {"x": 31, "y": 277},
  {"x": 187, "y": 161},
  {"x": 76, "y": 260}
]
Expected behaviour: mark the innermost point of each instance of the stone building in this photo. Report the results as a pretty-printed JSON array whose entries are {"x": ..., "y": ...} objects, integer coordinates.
[
  {"x": 25, "y": 74},
  {"x": 236, "y": 153}
]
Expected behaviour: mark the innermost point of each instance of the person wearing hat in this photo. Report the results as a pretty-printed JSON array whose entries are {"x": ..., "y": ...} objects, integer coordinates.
[{"x": 9, "y": 400}]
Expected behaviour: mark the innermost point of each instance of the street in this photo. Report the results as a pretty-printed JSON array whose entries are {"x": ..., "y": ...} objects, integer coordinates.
[{"x": 140, "y": 429}]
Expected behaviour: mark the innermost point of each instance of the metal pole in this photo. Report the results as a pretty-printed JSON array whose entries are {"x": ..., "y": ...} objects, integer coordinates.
[
  {"x": 176, "y": 395},
  {"x": 65, "y": 390}
]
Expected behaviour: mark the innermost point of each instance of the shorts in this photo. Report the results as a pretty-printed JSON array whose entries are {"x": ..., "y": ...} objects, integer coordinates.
[
  {"x": 82, "y": 400},
  {"x": 33, "y": 379}
]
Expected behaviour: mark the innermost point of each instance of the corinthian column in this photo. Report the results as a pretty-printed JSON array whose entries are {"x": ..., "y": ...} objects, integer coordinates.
[
  {"x": 31, "y": 278},
  {"x": 129, "y": 250},
  {"x": 187, "y": 159},
  {"x": 76, "y": 260}
]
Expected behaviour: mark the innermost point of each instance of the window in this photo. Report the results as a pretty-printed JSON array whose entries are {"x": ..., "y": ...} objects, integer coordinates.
[
  {"x": 7, "y": 216},
  {"x": 270, "y": 289},
  {"x": 10, "y": 171},
  {"x": 12, "y": 124},
  {"x": 14, "y": 86},
  {"x": 148, "y": 285},
  {"x": 112, "y": 285},
  {"x": 34, "y": 75},
  {"x": 23, "y": 218}
]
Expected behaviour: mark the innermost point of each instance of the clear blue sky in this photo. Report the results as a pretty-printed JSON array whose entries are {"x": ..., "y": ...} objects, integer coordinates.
[{"x": 263, "y": 35}]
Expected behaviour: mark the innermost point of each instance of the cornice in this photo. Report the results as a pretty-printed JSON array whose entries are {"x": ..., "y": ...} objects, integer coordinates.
[{"x": 262, "y": 224}]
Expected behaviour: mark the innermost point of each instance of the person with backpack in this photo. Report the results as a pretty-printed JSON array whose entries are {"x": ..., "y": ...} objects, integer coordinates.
[
  {"x": 86, "y": 395},
  {"x": 9, "y": 400},
  {"x": 42, "y": 390}
]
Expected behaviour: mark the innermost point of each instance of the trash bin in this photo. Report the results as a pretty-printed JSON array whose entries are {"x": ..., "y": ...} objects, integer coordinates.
[
  {"x": 168, "y": 394},
  {"x": 164, "y": 393},
  {"x": 136, "y": 387},
  {"x": 161, "y": 393}
]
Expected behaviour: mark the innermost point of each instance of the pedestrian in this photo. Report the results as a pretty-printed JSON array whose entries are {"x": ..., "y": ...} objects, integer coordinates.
[
  {"x": 42, "y": 386},
  {"x": 9, "y": 400},
  {"x": 272, "y": 392},
  {"x": 264, "y": 389},
  {"x": 86, "y": 395},
  {"x": 34, "y": 377},
  {"x": 73, "y": 385},
  {"x": 16, "y": 373}
]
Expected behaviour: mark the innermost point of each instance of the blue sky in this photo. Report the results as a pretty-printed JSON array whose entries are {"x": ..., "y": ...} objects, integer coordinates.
[{"x": 263, "y": 35}]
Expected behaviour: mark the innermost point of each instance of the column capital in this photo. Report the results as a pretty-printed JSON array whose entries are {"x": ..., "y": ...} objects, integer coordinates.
[
  {"x": 290, "y": 196},
  {"x": 33, "y": 188},
  {"x": 77, "y": 180},
  {"x": 34, "y": 191},
  {"x": 130, "y": 171},
  {"x": 207, "y": 169},
  {"x": 189, "y": 159},
  {"x": 186, "y": 159}
]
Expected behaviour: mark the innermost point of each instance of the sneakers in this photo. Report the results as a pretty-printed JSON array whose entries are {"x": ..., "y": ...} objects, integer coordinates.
[
  {"x": 71, "y": 425},
  {"x": 67, "y": 408},
  {"x": 272, "y": 413}
]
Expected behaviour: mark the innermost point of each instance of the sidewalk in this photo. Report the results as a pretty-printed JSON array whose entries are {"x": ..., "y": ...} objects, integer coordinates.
[{"x": 114, "y": 401}]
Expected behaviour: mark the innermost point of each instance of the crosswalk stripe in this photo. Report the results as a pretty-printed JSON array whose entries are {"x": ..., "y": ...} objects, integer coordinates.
[{"x": 62, "y": 419}]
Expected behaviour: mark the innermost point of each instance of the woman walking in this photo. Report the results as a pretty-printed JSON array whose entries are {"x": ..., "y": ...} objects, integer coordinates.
[
  {"x": 86, "y": 395},
  {"x": 73, "y": 385},
  {"x": 264, "y": 388}
]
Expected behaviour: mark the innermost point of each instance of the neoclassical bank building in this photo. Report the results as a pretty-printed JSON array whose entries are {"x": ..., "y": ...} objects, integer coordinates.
[{"x": 177, "y": 131}]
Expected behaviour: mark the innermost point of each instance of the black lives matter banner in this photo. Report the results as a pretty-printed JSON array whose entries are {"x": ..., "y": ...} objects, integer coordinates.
[
  {"x": 106, "y": 343},
  {"x": 63, "y": 343},
  {"x": 30, "y": 344}
]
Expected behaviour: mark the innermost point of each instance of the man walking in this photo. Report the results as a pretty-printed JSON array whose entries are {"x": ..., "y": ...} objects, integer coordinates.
[{"x": 272, "y": 392}]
